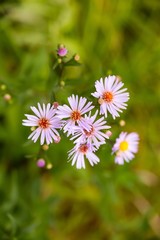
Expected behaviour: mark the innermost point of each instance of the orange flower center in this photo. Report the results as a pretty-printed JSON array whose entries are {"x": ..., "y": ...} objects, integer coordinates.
[
  {"x": 83, "y": 148},
  {"x": 88, "y": 133},
  {"x": 75, "y": 115},
  {"x": 123, "y": 146},
  {"x": 43, "y": 123},
  {"x": 107, "y": 96}
]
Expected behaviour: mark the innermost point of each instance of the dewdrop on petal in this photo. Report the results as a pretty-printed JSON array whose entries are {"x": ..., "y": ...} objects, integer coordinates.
[{"x": 41, "y": 163}]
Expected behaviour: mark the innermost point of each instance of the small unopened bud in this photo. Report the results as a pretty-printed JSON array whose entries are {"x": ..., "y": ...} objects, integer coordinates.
[
  {"x": 33, "y": 128},
  {"x": 7, "y": 97},
  {"x": 62, "y": 83},
  {"x": 108, "y": 133},
  {"x": 41, "y": 163},
  {"x": 122, "y": 123},
  {"x": 58, "y": 139},
  {"x": 118, "y": 153},
  {"x": 3, "y": 87},
  {"x": 45, "y": 147},
  {"x": 119, "y": 78},
  {"x": 49, "y": 166},
  {"x": 55, "y": 105},
  {"x": 62, "y": 51},
  {"x": 76, "y": 57},
  {"x": 100, "y": 101},
  {"x": 59, "y": 60}
]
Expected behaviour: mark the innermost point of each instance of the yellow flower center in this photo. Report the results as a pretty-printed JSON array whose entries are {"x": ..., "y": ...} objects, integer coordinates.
[
  {"x": 123, "y": 146},
  {"x": 75, "y": 115}
]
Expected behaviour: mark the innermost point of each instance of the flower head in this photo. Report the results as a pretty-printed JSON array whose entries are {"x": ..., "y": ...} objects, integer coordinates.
[
  {"x": 46, "y": 123},
  {"x": 79, "y": 152},
  {"x": 62, "y": 51},
  {"x": 110, "y": 96},
  {"x": 95, "y": 135},
  {"x": 125, "y": 147},
  {"x": 74, "y": 113}
]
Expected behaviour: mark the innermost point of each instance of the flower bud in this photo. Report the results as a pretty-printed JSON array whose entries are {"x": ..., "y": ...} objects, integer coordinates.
[
  {"x": 76, "y": 57},
  {"x": 45, "y": 147},
  {"x": 58, "y": 139},
  {"x": 41, "y": 163},
  {"x": 33, "y": 128},
  {"x": 3, "y": 87},
  {"x": 62, "y": 51},
  {"x": 49, "y": 166},
  {"x": 100, "y": 101},
  {"x": 55, "y": 105},
  {"x": 7, "y": 97},
  {"x": 59, "y": 60},
  {"x": 119, "y": 78},
  {"x": 122, "y": 123},
  {"x": 108, "y": 133},
  {"x": 62, "y": 83}
]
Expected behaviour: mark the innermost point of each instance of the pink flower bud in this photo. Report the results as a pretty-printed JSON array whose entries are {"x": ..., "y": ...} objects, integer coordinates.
[
  {"x": 62, "y": 51},
  {"x": 7, "y": 97},
  {"x": 108, "y": 133},
  {"x": 41, "y": 163},
  {"x": 55, "y": 104},
  {"x": 58, "y": 139}
]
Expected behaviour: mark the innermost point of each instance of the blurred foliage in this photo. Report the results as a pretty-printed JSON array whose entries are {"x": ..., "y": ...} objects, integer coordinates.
[{"x": 63, "y": 203}]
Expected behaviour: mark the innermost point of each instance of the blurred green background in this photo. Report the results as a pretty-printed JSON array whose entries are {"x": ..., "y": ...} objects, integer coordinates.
[{"x": 106, "y": 201}]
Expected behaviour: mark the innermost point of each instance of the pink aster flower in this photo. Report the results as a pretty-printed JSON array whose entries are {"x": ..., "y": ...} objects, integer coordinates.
[
  {"x": 79, "y": 152},
  {"x": 95, "y": 135},
  {"x": 46, "y": 123},
  {"x": 110, "y": 96},
  {"x": 125, "y": 147},
  {"x": 74, "y": 113}
]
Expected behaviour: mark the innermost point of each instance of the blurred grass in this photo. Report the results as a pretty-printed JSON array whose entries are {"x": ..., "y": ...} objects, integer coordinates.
[{"x": 107, "y": 201}]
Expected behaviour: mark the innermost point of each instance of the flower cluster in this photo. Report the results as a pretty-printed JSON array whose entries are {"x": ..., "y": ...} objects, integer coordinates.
[{"x": 87, "y": 130}]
